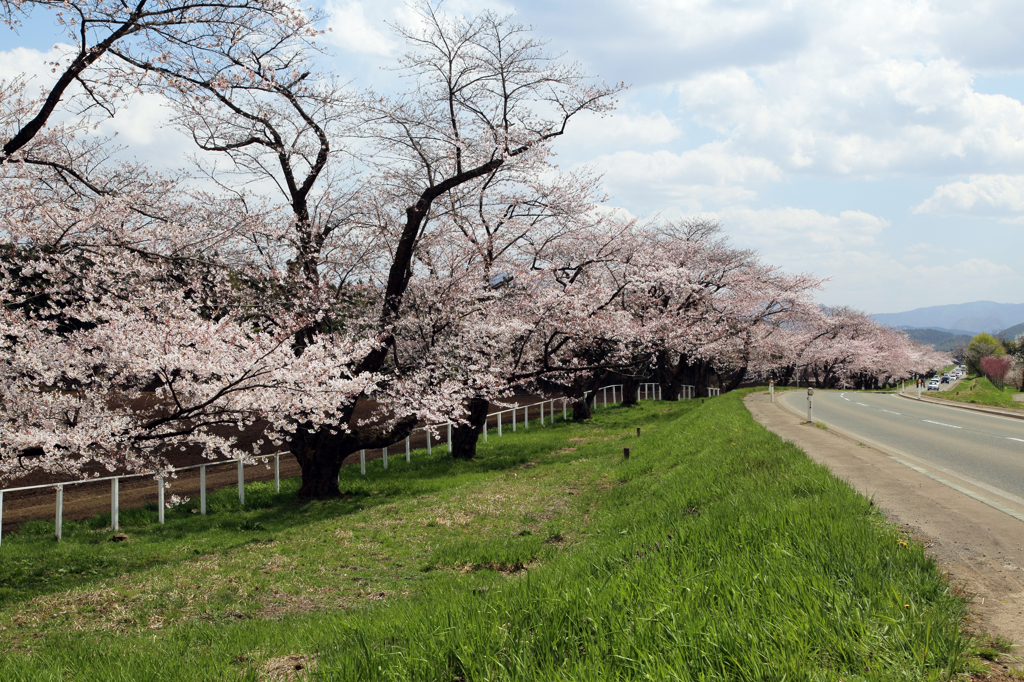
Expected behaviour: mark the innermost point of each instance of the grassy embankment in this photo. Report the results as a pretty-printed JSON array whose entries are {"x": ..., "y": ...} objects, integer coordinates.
[
  {"x": 981, "y": 391},
  {"x": 716, "y": 552}
]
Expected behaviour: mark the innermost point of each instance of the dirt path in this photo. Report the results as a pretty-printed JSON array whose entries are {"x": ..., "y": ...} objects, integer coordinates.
[{"x": 980, "y": 547}]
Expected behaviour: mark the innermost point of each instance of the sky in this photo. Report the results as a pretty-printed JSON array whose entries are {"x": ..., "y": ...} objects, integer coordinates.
[{"x": 878, "y": 143}]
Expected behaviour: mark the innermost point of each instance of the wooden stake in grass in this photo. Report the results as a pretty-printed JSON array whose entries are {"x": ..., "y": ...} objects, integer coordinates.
[
  {"x": 625, "y": 453},
  {"x": 638, "y": 432}
]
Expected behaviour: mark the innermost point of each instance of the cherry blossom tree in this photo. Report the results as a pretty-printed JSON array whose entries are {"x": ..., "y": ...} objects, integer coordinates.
[
  {"x": 312, "y": 314},
  {"x": 996, "y": 368},
  {"x": 845, "y": 347},
  {"x": 704, "y": 307}
]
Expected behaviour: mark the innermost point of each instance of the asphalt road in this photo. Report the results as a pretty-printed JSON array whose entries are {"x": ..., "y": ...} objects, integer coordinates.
[{"x": 979, "y": 454}]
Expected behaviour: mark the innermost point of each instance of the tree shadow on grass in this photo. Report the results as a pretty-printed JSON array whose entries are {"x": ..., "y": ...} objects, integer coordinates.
[{"x": 33, "y": 564}]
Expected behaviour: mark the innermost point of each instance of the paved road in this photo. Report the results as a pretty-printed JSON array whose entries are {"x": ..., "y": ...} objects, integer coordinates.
[{"x": 980, "y": 454}]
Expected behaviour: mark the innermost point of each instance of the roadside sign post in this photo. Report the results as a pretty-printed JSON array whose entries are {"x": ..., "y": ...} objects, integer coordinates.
[
  {"x": 810, "y": 392},
  {"x": 771, "y": 389}
]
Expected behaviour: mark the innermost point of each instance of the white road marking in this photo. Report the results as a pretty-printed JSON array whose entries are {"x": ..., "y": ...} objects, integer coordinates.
[
  {"x": 891, "y": 412},
  {"x": 1019, "y": 440},
  {"x": 941, "y": 424},
  {"x": 862, "y": 404}
]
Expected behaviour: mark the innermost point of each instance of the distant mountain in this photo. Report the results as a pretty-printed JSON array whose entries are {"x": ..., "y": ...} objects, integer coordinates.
[
  {"x": 1010, "y": 333},
  {"x": 955, "y": 332},
  {"x": 938, "y": 339},
  {"x": 969, "y": 318}
]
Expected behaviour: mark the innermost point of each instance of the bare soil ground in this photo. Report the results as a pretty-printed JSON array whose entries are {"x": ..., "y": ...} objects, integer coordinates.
[{"x": 981, "y": 548}]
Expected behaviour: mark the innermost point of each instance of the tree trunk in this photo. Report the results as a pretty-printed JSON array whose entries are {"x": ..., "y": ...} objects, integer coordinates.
[
  {"x": 741, "y": 374},
  {"x": 702, "y": 381},
  {"x": 669, "y": 386},
  {"x": 465, "y": 436},
  {"x": 629, "y": 389},
  {"x": 320, "y": 467},
  {"x": 320, "y": 454},
  {"x": 580, "y": 409}
]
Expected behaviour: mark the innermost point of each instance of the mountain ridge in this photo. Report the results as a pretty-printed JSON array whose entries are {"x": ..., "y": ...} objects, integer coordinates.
[{"x": 958, "y": 318}]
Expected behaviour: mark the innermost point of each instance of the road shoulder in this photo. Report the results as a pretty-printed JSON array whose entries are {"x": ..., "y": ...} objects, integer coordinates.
[{"x": 980, "y": 547}]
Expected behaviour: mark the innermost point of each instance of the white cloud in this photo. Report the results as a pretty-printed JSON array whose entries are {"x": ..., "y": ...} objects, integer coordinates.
[
  {"x": 143, "y": 122},
  {"x": 352, "y": 30},
  {"x": 622, "y": 130},
  {"x": 988, "y": 195},
  {"x": 31, "y": 63},
  {"x": 697, "y": 180},
  {"x": 806, "y": 230},
  {"x": 822, "y": 86},
  {"x": 821, "y": 113}
]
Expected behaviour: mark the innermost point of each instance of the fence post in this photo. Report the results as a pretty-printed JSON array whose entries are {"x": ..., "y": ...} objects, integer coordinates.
[
  {"x": 564, "y": 418},
  {"x": 638, "y": 394},
  {"x": 362, "y": 462},
  {"x": 499, "y": 425},
  {"x": 542, "y": 414},
  {"x": 59, "y": 521},
  {"x": 595, "y": 400},
  {"x": 160, "y": 499},
  {"x": 485, "y": 429},
  {"x": 430, "y": 438},
  {"x": 1, "y": 517},
  {"x": 384, "y": 451},
  {"x": 408, "y": 456},
  {"x": 604, "y": 396},
  {"x": 241, "y": 483},
  {"x": 277, "y": 473},
  {"x": 449, "y": 438},
  {"x": 526, "y": 417},
  {"x": 114, "y": 504},
  {"x": 202, "y": 490},
  {"x": 514, "y": 419}
]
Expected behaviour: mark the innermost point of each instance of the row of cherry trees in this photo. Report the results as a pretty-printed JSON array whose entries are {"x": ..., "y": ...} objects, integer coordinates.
[{"x": 353, "y": 264}]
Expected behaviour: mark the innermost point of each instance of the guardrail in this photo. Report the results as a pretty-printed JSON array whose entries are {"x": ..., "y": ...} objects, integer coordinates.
[{"x": 649, "y": 391}]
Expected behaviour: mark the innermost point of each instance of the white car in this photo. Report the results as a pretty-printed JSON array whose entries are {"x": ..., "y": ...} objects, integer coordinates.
[{"x": 933, "y": 385}]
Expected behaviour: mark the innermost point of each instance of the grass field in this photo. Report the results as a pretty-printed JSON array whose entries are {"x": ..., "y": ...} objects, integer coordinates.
[
  {"x": 716, "y": 552},
  {"x": 981, "y": 391}
]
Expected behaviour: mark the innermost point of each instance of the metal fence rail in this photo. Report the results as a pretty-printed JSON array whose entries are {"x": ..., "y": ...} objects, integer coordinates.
[{"x": 649, "y": 391}]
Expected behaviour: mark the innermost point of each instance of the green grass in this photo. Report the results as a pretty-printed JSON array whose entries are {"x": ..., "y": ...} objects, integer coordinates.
[
  {"x": 716, "y": 552},
  {"x": 981, "y": 391}
]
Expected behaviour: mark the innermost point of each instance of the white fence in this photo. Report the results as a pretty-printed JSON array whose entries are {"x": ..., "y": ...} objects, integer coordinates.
[{"x": 646, "y": 391}]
